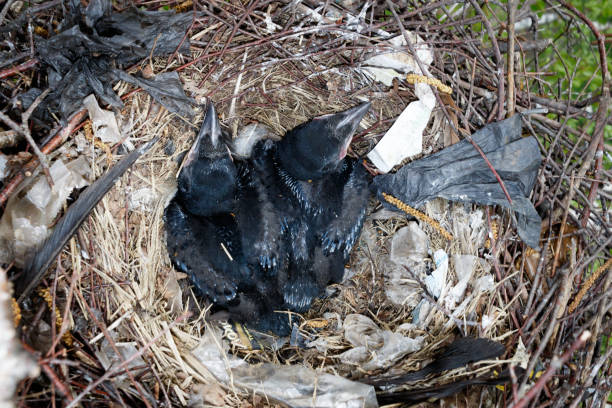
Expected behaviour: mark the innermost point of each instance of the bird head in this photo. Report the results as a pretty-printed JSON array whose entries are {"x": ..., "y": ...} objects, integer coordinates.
[
  {"x": 316, "y": 148},
  {"x": 207, "y": 180}
]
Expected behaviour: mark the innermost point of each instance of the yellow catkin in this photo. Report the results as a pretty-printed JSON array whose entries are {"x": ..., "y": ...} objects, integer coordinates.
[
  {"x": 97, "y": 142},
  {"x": 16, "y": 312},
  {"x": 417, "y": 214},
  {"x": 415, "y": 78},
  {"x": 588, "y": 285},
  {"x": 184, "y": 6},
  {"x": 41, "y": 31},
  {"x": 495, "y": 232},
  {"x": 46, "y": 295}
]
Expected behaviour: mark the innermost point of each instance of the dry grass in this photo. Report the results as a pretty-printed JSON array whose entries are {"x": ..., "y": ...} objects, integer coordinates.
[{"x": 128, "y": 287}]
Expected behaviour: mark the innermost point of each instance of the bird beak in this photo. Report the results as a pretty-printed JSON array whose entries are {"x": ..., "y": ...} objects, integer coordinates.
[
  {"x": 347, "y": 123},
  {"x": 208, "y": 139},
  {"x": 211, "y": 127}
]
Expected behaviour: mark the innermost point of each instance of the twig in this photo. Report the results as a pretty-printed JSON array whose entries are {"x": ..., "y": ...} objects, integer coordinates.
[
  {"x": 50, "y": 373},
  {"x": 547, "y": 335},
  {"x": 511, "y": 7},
  {"x": 498, "y": 60},
  {"x": 5, "y": 10},
  {"x": 568, "y": 204},
  {"x": 111, "y": 342},
  {"x": 63, "y": 389},
  {"x": 555, "y": 364},
  {"x": 597, "y": 141},
  {"x": 47, "y": 148},
  {"x": 25, "y": 131},
  {"x": 592, "y": 373},
  {"x": 119, "y": 367},
  {"x": 21, "y": 67}
]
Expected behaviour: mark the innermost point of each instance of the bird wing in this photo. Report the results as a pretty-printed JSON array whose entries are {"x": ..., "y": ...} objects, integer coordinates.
[
  {"x": 195, "y": 247},
  {"x": 341, "y": 233}
]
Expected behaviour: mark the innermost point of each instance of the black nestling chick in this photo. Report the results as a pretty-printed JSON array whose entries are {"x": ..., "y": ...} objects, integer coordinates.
[
  {"x": 207, "y": 180},
  {"x": 324, "y": 198},
  {"x": 330, "y": 188},
  {"x": 271, "y": 233},
  {"x": 203, "y": 238},
  {"x": 316, "y": 148}
]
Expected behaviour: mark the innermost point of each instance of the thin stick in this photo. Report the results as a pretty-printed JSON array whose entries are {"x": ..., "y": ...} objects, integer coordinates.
[
  {"x": 123, "y": 365},
  {"x": 512, "y": 5},
  {"x": 49, "y": 147},
  {"x": 25, "y": 131},
  {"x": 21, "y": 67},
  {"x": 555, "y": 364}
]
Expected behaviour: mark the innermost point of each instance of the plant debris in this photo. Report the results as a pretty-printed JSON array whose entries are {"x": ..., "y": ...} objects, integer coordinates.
[{"x": 135, "y": 323}]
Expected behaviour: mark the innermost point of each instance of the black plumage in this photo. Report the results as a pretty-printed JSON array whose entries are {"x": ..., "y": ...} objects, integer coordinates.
[
  {"x": 269, "y": 233},
  {"x": 207, "y": 181}
]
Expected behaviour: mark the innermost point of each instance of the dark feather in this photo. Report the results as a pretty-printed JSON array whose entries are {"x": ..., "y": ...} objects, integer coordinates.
[{"x": 67, "y": 226}]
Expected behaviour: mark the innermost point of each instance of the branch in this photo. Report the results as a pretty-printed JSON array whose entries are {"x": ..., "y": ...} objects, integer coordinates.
[
  {"x": 555, "y": 364},
  {"x": 25, "y": 131}
]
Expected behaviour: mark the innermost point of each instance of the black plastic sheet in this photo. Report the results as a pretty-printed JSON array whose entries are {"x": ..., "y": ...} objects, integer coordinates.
[
  {"x": 459, "y": 173},
  {"x": 95, "y": 44},
  {"x": 166, "y": 88}
]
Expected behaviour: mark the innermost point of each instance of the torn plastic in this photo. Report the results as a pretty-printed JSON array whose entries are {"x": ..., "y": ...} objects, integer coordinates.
[
  {"x": 15, "y": 363},
  {"x": 39, "y": 260},
  {"x": 295, "y": 385},
  {"x": 29, "y": 214},
  {"x": 81, "y": 58},
  {"x": 469, "y": 228},
  {"x": 375, "y": 348},
  {"x": 405, "y": 137},
  {"x": 206, "y": 395},
  {"x": 409, "y": 249},
  {"x": 3, "y": 166},
  {"x": 142, "y": 199},
  {"x": 459, "y": 173},
  {"x": 384, "y": 67},
  {"x": 521, "y": 356},
  {"x": 109, "y": 359},
  {"x": 104, "y": 123},
  {"x": 464, "y": 269},
  {"x": 166, "y": 88},
  {"x": 436, "y": 281},
  {"x": 409, "y": 245}
]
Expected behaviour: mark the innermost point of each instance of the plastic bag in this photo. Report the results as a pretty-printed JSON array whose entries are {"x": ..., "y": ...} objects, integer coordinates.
[
  {"x": 82, "y": 63},
  {"x": 375, "y": 348},
  {"x": 405, "y": 137},
  {"x": 459, "y": 173},
  {"x": 294, "y": 385},
  {"x": 29, "y": 214}
]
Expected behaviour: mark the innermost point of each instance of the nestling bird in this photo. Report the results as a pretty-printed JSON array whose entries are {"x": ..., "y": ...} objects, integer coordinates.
[{"x": 270, "y": 232}]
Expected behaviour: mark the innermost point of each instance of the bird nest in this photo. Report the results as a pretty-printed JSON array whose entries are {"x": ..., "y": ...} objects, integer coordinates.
[{"x": 280, "y": 64}]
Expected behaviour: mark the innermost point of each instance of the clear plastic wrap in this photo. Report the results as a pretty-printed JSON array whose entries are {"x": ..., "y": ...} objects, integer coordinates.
[{"x": 294, "y": 385}]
